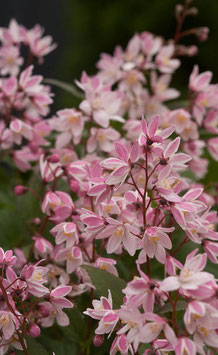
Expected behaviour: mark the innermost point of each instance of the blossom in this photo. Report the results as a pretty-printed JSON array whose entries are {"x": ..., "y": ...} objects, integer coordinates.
[
  {"x": 101, "y": 103},
  {"x": 191, "y": 275},
  {"x": 122, "y": 166},
  {"x": 199, "y": 82},
  {"x": 8, "y": 323},
  {"x": 119, "y": 233},
  {"x": 155, "y": 241},
  {"x": 73, "y": 257},
  {"x": 164, "y": 60}
]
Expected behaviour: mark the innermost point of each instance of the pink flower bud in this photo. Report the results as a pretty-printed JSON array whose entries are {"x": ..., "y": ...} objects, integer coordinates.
[
  {"x": 34, "y": 330},
  {"x": 36, "y": 221},
  {"x": 202, "y": 33},
  {"x": 20, "y": 190},
  {"x": 54, "y": 158},
  {"x": 44, "y": 312},
  {"x": 98, "y": 340},
  {"x": 34, "y": 147}
]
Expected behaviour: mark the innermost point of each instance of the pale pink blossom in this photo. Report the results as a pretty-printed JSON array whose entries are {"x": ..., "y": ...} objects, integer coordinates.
[
  {"x": 164, "y": 60},
  {"x": 102, "y": 138},
  {"x": 10, "y": 61},
  {"x": 8, "y": 323},
  {"x": 73, "y": 257},
  {"x": 155, "y": 241},
  {"x": 199, "y": 82},
  {"x": 191, "y": 275}
]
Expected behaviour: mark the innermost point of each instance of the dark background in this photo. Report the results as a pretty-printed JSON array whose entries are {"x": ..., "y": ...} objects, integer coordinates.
[{"x": 85, "y": 28}]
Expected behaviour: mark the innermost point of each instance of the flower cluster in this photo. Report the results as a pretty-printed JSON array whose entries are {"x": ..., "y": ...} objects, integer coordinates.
[{"x": 115, "y": 186}]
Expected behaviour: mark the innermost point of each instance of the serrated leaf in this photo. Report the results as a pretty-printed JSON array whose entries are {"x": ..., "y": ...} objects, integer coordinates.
[
  {"x": 180, "y": 306},
  {"x": 65, "y": 86},
  {"x": 104, "y": 281}
]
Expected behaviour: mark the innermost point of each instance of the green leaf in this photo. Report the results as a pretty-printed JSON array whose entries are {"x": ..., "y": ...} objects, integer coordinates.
[
  {"x": 76, "y": 330},
  {"x": 65, "y": 86},
  {"x": 104, "y": 281},
  {"x": 180, "y": 306},
  {"x": 34, "y": 348}
]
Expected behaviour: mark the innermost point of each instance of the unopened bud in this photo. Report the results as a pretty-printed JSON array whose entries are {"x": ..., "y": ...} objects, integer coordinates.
[
  {"x": 192, "y": 50},
  {"x": 178, "y": 9},
  {"x": 36, "y": 221},
  {"x": 20, "y": 190},
  {"x": 98, "y": 340},
  {"x": 33, "y": 147},
  {"x": 202, "y": 33},
  {"x": 192, "y": 11},
  {"x": 44, "y": 312},
  {"x": 54, "y": 158},
  {"x": 34, "y": 330}
]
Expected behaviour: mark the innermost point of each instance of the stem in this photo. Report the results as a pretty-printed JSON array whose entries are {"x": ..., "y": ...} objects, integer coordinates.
[
  {"x": 185, "y": 240},
  {"x": 180, "y": 22},
  {"x": 135, "y": 185},
  {"x": 21, "y": 339}
]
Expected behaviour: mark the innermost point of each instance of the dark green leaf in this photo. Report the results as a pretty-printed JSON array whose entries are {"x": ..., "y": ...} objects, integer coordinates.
[
  {"x": 76, "y": 330},
  {"x": 104, "y": 281}
]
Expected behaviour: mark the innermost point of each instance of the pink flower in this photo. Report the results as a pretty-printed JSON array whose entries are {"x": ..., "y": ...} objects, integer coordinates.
[
  {"x": 103, "y": 138},
  {"x": 160, "y": 87},
  {"x": 155, "y": 241},
  {"x": 100, "y": 307},
  {"x": 20, "y": 129},
  {"x": 42, "y": 247},
  {"x": 7, "y": 258},
  {"x": 8, "y": 324},
  {"x": 10, "y": 61},
  {"x": 73, "y": 257},
  {"x": 141, "y": 291},
  {"x": 60, "y": 203},
  {"x": 211, "y": 249},
  {"x": 211, "y": 122},
  {"x": 106, "y": 264},
  {"x": 150, "y": 331},
  {"x": 133, "y": 322},
  {"x": 65, "y": 232},
  {"x": 169, "y": 156},
  {"x": 164, "y": 60},
  {"x": 191, "y": 275},
  {"x": 185, "y": 346},
  {"x": 119, "y": 233},
  {"x": 39, "y": 46},
  {"x": 180, "y": 118},
  {"x": 212, "y": 145},
  {"x": 120, "y": 344},
  {"x": 51, "y": 314},
  {"x": 101, "y": 103},
  {"x": 57, "y": 298},
  {"x": 199, "y": 82},
  {"x": 34, "y": 277},
  {"x": 122, "y": 166},
  {"x": 71, "y": 123},
  {"x": 150, "y": 133}
]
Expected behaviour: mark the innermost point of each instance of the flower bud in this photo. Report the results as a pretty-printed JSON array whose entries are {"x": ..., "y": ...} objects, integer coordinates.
[
  {"x": 44, "y": 311},
  {"x": 98, "y": 340},
  {"x": 202, "y": 33},
  {"x": 20, "y": 190},
  {"x": 54, "y": 158},
  {"x": 33, "y": 147},
  {"x": 34, "y": 330}
]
